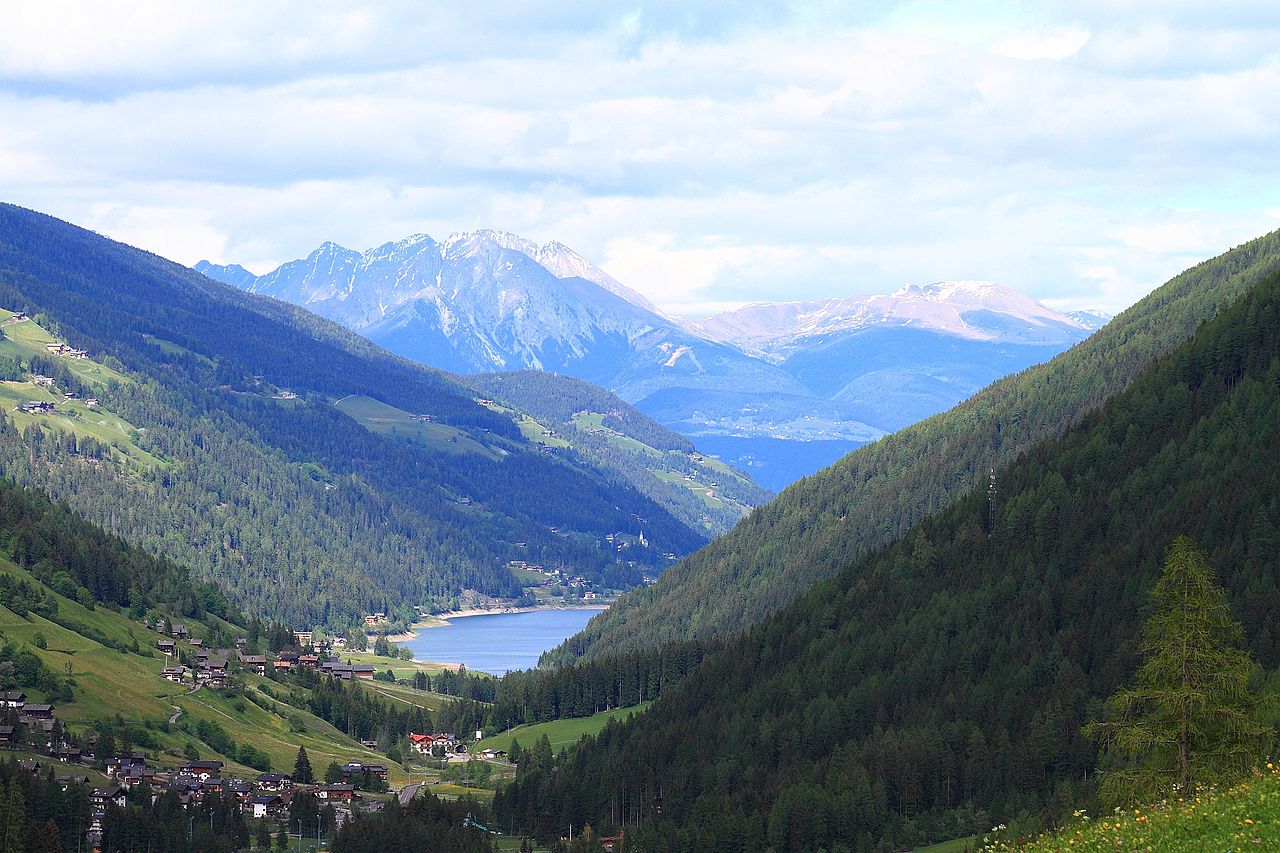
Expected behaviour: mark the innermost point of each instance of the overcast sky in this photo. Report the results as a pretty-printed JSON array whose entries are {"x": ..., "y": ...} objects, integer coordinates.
[{"x": 706, "y": 154}]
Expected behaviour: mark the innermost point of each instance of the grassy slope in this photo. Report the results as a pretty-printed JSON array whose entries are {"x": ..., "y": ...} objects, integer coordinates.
[
  {"x": 1244, "y": 817},
  {"x": 110, "y": 682},
  {"x": 24, "y": 339},
  {"x": 561, "y": 733},
  {"x": 658, "y": 463},
  {"x": 383, "y": 419}
]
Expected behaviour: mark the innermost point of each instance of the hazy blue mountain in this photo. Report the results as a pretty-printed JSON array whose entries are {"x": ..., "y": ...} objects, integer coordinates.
[{"x": 779, "y": 389}]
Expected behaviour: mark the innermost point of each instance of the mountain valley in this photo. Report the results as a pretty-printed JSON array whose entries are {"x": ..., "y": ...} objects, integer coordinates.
[{"x": 778, "y": 390}]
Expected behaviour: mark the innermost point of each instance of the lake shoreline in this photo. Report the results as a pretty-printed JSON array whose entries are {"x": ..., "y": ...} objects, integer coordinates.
[{"x": 440, "y": 620}]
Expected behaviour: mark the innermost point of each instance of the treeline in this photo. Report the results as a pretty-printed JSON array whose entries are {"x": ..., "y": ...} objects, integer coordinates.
[
  {"x": 353, "y": 710},
  {"x": 939, "y": 685},
  {"x": 426, "y": 823},
  {"x": 874, "y": 495},
  {"x": 272, "y": 498},
  {"x": 82, "y": 562},
  {"x": 539, "y": 695},
  {"x": 36, "y": 815},
  {"x": 215, "y": 825}
]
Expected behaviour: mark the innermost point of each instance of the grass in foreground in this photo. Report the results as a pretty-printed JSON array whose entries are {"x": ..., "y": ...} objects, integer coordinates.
[{"x": 1244, "y": 817}]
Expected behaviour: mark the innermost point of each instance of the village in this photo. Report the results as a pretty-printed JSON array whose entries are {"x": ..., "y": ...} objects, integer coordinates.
[{"x": 356, "y": 785}]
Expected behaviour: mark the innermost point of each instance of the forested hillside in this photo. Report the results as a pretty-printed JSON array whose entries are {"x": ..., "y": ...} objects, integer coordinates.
[
  {"x": 938, "y": 686},
  {"x": 877, "y": 493},
  {"x": 228, "y": 454},
  {"x": 701, "y": 491}
]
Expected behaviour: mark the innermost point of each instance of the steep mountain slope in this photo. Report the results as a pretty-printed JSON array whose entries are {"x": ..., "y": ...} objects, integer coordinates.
[
  {"x": 778, "y": 390},
  {"x": 939, "y": 685},
  {"x": 235, "y": 460},
  {"x": 82, "y": 604},
  {"x": 585, "y": 419},
  {"x": 877, "y": 493}
]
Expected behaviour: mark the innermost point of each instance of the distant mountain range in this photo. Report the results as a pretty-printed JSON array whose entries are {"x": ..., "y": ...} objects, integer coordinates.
[{"x": 779, "y": 389}]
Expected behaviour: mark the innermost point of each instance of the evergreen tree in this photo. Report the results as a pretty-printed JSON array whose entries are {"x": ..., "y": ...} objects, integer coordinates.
[
  {"x": 282, "y": 839},
  {"x": 302, "y": 768},
  {"x": 15, "y": 819},
  {"x": 1190, "y": 717},
  {"x": 333, "y": 773},
  {"x": 264, "y": 836}
]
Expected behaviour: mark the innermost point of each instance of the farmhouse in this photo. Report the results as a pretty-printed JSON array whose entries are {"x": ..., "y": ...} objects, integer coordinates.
[
  {"x": 345, "y": 671},
  {"x": 32, "y": 713},
  {"x": 257, "y": 663},
  {"x": 203, "y": 770},
  {"x": 356, "y": 768},
  {"x": 339, "y": 793},
  {"x": 110, "y": 794},
  {"x": 274, "y": 782},
  {"x": 268, "y": 805}
]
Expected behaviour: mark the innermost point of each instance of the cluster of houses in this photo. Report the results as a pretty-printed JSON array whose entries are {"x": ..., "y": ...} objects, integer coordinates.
[
  {"x": 211, "y": 665},
  {"x": 36, "y": 716},
  {"x": 63, "y": 349},
  {"x": 427, "y": 744},
  {"x": 45, "y": 407},
  {"x": 267, "y": 796},
  {"x": 554, "y": 577}
]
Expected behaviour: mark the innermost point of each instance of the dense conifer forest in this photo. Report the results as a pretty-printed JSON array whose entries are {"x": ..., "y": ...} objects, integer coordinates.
[
  {"x": 875, "y": 494},
  {"x": 939, "y": 685},
  {"x": 299, "y": 511}
]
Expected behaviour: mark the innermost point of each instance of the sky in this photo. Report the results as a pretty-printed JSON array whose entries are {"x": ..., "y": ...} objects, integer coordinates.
[{"x": 705, "y": 154}]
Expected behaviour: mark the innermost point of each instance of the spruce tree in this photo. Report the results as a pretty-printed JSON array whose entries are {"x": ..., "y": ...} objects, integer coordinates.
[
  {"x": 1190, "y": 717},
  {"x": 302, "y": 768},
  {"x": 15, "y": 818}
]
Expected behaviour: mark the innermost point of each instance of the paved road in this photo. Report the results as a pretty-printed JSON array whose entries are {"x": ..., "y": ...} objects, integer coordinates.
[{"x": 408, "y": 792}]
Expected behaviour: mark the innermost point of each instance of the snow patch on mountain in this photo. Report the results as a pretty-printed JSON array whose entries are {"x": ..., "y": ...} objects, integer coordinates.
[{"x": 974, "y": 310}]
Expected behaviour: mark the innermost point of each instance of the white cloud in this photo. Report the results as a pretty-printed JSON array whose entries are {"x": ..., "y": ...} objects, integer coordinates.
[
  {"x": 707, "y": 154},
  {"x": 1040, "y": 43}
]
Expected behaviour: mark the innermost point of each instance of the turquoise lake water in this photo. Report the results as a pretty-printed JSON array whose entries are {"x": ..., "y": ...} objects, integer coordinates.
[{"x": 499, "y": 642}]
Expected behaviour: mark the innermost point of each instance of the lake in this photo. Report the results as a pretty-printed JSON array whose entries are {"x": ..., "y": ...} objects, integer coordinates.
[{"x": 498, "y": 642}]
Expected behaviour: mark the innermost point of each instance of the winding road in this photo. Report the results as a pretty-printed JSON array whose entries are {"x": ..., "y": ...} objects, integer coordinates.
[{"x": 177, "y": 712}]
